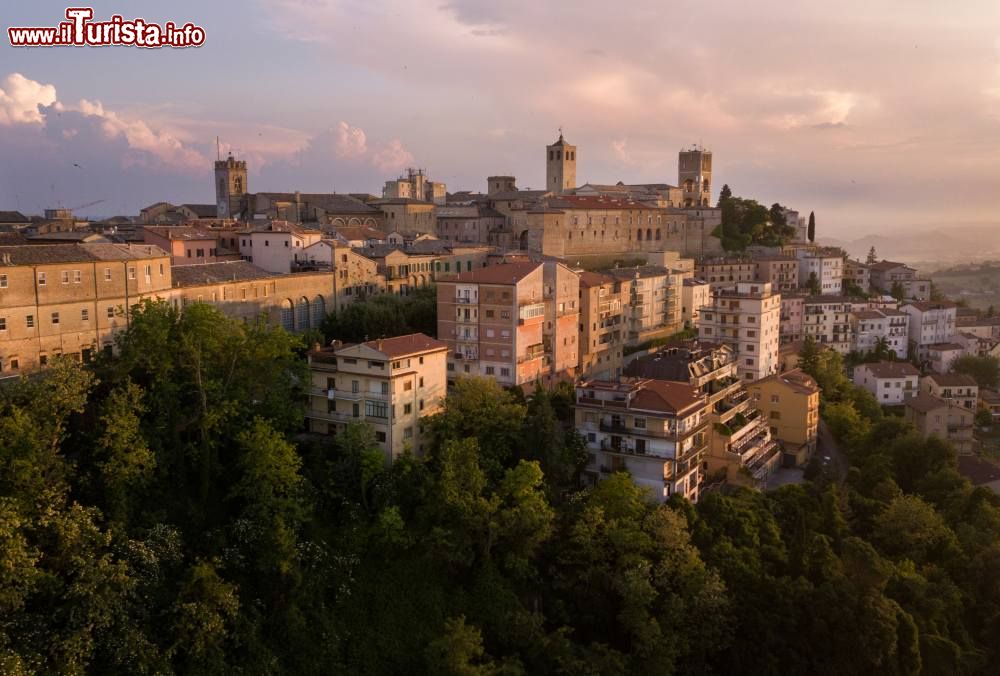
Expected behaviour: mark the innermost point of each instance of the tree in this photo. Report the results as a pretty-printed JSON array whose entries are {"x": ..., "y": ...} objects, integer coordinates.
[
  {"x": 984, "y": 368},
  {"x": 724, "y": 195},
  {"x": 882, "y": 350},
  {"x": 813, "y": 284},
  {"x": 811, "y": 231},
  {"x": 872, "y": 257},
  {"x": 898, "y": 291},
  {"x": 809, "y": 356}
]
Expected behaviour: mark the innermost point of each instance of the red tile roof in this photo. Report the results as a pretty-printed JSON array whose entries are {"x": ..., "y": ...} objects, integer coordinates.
[
  {"x": 401, "y": 346},
  {"x": 506, "y": 273},
  {"x": 667, "y": 396}
]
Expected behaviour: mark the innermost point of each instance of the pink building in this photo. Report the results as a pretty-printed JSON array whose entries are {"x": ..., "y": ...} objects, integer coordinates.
[
  {"x": 189, "y": 245},
  {"x": 515, "y": 323}
]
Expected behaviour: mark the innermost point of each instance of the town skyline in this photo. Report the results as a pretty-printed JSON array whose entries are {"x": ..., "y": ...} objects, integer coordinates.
[{"x": 840, "y": 118}]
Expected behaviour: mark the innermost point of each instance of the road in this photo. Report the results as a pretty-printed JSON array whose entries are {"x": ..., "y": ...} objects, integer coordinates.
[{"x": 827, "y": 446}]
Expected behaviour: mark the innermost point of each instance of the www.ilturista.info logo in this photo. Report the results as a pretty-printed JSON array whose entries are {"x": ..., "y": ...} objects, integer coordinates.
[{"x": 80, "y": 31}]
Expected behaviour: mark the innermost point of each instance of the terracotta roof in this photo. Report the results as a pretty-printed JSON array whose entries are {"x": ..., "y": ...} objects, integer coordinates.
[
  {"x": 506, "y": 273},
  {"x": 925, "y": 403},
  {"x": 45, "y": 254},
  {"x": 12, "y": 239},
  {"x": 952, "y": 379},
  {"x": 179, "y": 232},
  {"x": 891, "y": 369},
  {"x": 363, "y": 232},
  {"x": 589, "y": 279},
  {"x": 216, "y": 273},
  {"x": 400, "y": 346},
  {"x": 945, "y": 346},
  {"x": 666, "y": 396},
  {"x": 883, "y": 266},
  {"x": 82, "y": 236},
  {"x": 868, "y": 314},
  {"x": 508, "y": 195},
  {"x": 796, "y": 379}
]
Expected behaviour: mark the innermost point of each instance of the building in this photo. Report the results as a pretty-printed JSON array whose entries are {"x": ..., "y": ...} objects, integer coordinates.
[
  {"x": 695, "y": 294},
  {"x": 941, "y": 356},
  {"x": 240, "y": 290},
  {"x": 652, "y": 296},
  {"x": 407, "y": 215},
  {"x": 404, "y": 270},
  {"x": 516, "y": 322},
  {"x": 560, "y": 166},
  {"x": 870, "y": 328},
  {"x": 890, "y": 382},
  {"x": 989, "y": 400},
  {"x": 885, "y": 275},
  {"x": 328, "y": 212},
  {"x": 826, "y": 266},
  {"x": 792, "y": 311},
  {"x": 944, "y": 419},
  {"x": 230, "y": 187},
  {"x": 930, "y": 322},
  {"x": 602, "y": 326},
  {"x": 469, "y": 223},
  {"x": 415, "y": 185},
  {"x": 858, "y": 274},
  {"x": 388, "y": 383},
  {"x": 657, "y": 431},
  {"x": 72, "y": 299},
  {"x": 724, "y": 272},
  {"x": 11, "y": 221},
  {"x": 694, "y": 176},
  {"x": 355, "y": 276},
  {"x": 187, "y": 244},
  {"x": 747, "y": 318},
  {"x": 781, "y": 271},
  {"x": 789, "y": 402},
  {"x": 740, "y": 443},
  {"x": 828, "y": 320},
  {"x": 276, "y": 246},
  {"x": 958, "y": 388}
]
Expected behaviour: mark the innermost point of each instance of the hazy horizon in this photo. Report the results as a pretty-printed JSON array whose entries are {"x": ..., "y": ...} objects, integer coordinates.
[{"x": 852, "y": 115}]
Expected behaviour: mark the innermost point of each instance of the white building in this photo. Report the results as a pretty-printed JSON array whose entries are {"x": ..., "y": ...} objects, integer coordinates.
[
  {"x": 746, "y": 317},
  {"x": 891, "y": 382},
  {"x": 930, "y": 322},
  {"x": 827, "y": 320},
  {"x": 870, "y": 326},
  {"x": 827, "y": 266},
  {"x": 276, "y": 246},
  {"x": 695, "y": 294}
]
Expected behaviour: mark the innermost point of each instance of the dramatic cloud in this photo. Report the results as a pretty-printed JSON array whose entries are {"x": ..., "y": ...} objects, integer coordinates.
[
  {"x": 351, "y": 141},
  {"x": 20, "y": 98}
]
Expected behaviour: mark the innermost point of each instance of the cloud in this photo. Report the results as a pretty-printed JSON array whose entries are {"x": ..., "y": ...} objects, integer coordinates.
[
  {"x": 20, "y": 98},
  {"x": 392, "y": 157},
  {"x": 621, "y": 153},
  {"x": 351, "y": 141}
]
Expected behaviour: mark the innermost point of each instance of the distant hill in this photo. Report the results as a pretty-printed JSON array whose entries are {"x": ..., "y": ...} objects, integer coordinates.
[{"x": 928, "y": 248}]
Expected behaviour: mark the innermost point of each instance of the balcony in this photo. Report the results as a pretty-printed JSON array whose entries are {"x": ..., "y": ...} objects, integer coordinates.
[
  {"x": 463, "y": 301},
  {"x": 332, "y": 393},
  {"x": 344, "y": 417}
]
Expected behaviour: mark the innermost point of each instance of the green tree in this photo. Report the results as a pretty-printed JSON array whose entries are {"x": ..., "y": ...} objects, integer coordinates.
[
  {"x": 811, "y": 231},
  {"x": 813, "y": 284},
  {"x": 898, "y": 291},
  {"x": 984, "y": 368},
  {"x": 724, "y": 195},
  {"x": 872, "y": 257}
]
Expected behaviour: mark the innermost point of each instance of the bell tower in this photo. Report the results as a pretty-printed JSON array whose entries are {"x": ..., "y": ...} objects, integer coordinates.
[
  {"x": 694, "y": 176},
  {"x": 230, "y": 186},
  {"x": 560, "y": 166}
]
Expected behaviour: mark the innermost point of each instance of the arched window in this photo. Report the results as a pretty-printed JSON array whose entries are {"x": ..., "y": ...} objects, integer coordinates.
[
  {"x": 238, "y": 184},
  {"x": 638, "y": 234},
  {"x": 317, "y": 311},
  {"x": 302, "y": 314},
  {"x": 287, "y": 315},
  {"x": 649, "y": 234},
  {"x": 657, "y": 233}
]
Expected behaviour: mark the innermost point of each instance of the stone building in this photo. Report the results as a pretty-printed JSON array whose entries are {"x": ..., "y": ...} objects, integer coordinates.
[
  {"x": 560, "y": 166},
  {"x": 694, "y": 173},
  {"x": 415, "y": 185}
]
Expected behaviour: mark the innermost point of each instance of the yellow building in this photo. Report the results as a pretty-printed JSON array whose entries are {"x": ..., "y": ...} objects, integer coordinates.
[
  {"x": 389, "y": 383},
  {"x": 790, "y": 403}
]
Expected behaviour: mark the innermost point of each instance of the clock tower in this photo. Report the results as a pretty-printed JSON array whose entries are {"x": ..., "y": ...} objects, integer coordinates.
[{"x": 230, "y": 186}]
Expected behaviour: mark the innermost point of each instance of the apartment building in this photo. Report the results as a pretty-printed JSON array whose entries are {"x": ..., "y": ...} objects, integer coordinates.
[
  {"x": 389, "y": 383},
  {"x": 890, "y": 382},
  {"x": 792, "y": 311},
  {"x": 655, "y": 430},
  {"x": 781, "y": 271},
  {"x": 746, "y": 317},
  {"x": 515, "y": 322},
  {"x": 789, "y": 402},
  {"x": 276, "y": 246},
  {"x": 403, "y": 270},
  {"x": 602, "y": 326},
  {"x": 654, "y": 294},
  {"x": 858, "y": 274},
  {"x": 958, "y": 388},
  {"x": 725, "y": 272},
  {"x": 930, "y": 322},
  {"x": 886, "y": 274},
  {"x": 946, "y": 420},
  {"x": 869, "y": 327},
  {"x": 72, "y": 299},
  {"x": 695, "y": 294},
  {"x": 827, "y": 320},
  {"x": 740, "y": 444},
  {"x": 827, "y": 266}
]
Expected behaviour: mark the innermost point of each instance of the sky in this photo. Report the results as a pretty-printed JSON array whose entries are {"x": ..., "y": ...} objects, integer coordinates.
[{"x": 876, "y": 115}]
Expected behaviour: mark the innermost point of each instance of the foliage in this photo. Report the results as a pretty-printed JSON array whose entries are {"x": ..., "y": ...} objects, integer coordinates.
[
  {"x": 385, "y": 316},
  {"x": 746, "y": 222},
  {"x": 984, "y": 368},
  {"x": 811, "y": 230},
  {"x": 162, "y": 513}
]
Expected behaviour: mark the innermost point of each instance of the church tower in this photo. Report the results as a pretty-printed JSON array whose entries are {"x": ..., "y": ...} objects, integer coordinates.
[
  {"x": 560, "y": 167},
  {"x": 230, "y": 186},
  {"x": 694, "y": 176}
]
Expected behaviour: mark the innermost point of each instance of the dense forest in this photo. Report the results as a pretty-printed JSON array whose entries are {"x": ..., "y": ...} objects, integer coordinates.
[{"x": 162, "y": 512}]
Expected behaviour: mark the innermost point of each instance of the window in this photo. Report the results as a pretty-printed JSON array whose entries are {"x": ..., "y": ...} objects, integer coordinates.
[
  {"x": 3, "y": 281},
  {"x": 77, "y": 277},
  {"x": 65, "y": 276},
  {"x": 41, "y": 279},
  {"x": 408, "y": 433},
  {"x": 490, "y": 370},
  {"x": 380, "y": 436},
  {"x": 107, "y": 274},
  {"x": 355, "y": 386},
  {"x": 639, "y": 423},
  {"x": 14, "y": 363},
  {"x": 55, "y": 317},
  {"x": 489, "y": 314},
  {"x": 376, "y": 409},
  {"x": 421, "y": 384},
  {"x": 85, "y": 315},
  {"x": 775, "y": 415},
  {"x": 407, "y": 409},
  {"x": 3, "y": 323},
  {"x": 355, "y": 410},
  {"x": 774, "y": 399},
  {"x": 43, "y": 359},
  {"x": 408, "y": 385},
  {"x": 131, "y": 272},
  {"x": 30, "y": 321},
  {"x": 505, "y": 372},
  {"x": 111, "y": 312}
]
